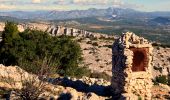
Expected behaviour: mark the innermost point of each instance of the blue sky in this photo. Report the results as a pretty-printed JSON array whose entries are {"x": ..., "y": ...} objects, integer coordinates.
[{"x": 142, "y": 5}]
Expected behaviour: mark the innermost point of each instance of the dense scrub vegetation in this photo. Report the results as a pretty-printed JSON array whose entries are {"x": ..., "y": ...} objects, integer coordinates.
[{"x": 37, "y": 52}]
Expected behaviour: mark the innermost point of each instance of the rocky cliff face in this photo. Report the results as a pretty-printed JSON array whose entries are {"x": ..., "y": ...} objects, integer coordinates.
[{"x": 59, "y": 30}]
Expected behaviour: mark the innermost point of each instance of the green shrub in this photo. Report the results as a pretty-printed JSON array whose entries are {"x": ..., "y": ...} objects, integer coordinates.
[
  {"x": 161, "y": 79},
  {"x": 109, "y": 46},
  {"x": 102, "y": 75},
  {"x": 37, "y": 52},
  {"x": 82, "y": 71},
  {"x": 169, "y": 79},
  {"x": 139, "y": 98},
  {"x": 109, "y": 38},
  {"x": 4, "y": 93},
  {"x": 80, "y": 40},
  {"x": 31, "y": 50},
  {"x": 161, "y": 45}
]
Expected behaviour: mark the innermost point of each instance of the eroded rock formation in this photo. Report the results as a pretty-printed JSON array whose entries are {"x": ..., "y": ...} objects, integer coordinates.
[
  {"x": 57, "y": 30},
  {"x": 60, "y": 30},
  {"x": 131, "y": 69}
]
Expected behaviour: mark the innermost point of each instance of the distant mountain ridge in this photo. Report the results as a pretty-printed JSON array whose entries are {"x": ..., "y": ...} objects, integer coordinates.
[
  {"x": 161, "y": 20},
  {"x": 92, "y": 12}
]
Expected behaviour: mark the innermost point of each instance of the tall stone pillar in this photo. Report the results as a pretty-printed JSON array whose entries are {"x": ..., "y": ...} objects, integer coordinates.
[{"x": 131, "y": 67}]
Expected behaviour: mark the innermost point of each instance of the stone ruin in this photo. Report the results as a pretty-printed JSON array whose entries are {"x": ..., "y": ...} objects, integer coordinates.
[{"x": 131, "y": 67}]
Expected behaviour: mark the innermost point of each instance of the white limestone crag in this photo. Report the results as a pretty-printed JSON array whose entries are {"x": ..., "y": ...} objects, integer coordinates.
[{"x": 55, "y": 30}]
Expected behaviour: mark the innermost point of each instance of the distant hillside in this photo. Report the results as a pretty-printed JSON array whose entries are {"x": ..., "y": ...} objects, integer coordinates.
[
  {"x": 92, "y": 12},
  {"x": 154, "y": 26},
  {"x": 141, "y": 26},
  {"x": 49, "y": 15},
  {"x": 13, "y": 19},
  {"x": 161, "y": 20}
]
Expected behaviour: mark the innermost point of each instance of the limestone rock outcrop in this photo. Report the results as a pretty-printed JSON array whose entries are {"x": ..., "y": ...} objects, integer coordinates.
[
  {"x": 12, "y": 77},
  {"x": 55, "y": 30},
  {"x": 2, "y": 25},
  {"x": 60, "y": 30}
]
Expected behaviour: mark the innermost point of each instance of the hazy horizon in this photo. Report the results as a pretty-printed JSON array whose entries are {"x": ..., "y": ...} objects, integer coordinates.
[{"x": 66, "y": 5}]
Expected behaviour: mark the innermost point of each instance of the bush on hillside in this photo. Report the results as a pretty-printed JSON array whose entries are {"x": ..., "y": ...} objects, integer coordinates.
[
  {"x": 160, "y": 79},
  {"x": 169, "y": 79},
  {"x": 4, "y": 94},
  {"x": 37, "y": 52},
  {"x": 102, "y": 75}
]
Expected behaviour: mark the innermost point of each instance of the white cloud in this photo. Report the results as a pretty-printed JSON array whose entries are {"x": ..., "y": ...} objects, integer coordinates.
[
  {"x": 36, "y": 1},
  {"x": 133, "y": 6},
  {"x": 62, "y": 2},
  {"x": 89, "y": 2},
  {"x": 3, "y": 6},
  {"x": 98, "y": 2}
]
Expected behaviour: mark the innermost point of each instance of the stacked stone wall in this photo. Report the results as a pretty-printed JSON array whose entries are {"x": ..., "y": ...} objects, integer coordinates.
[{"x": 135, "y": 81}]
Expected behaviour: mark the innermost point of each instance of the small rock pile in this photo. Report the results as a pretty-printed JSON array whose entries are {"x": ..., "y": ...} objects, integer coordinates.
[{"x": 92, "y": 81}]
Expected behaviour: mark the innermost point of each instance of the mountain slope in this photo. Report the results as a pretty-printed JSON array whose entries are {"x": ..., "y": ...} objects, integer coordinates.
[
  {"x": 50, "y": 15},
  {"x": 161, "y": 20}
]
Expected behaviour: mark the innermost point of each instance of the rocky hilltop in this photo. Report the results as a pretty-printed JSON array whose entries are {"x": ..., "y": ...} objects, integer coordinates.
[
  {"x": 13, "y": 77},
  {"x": 97, "y": 53},
  {"x": 57, "y": 30}
]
